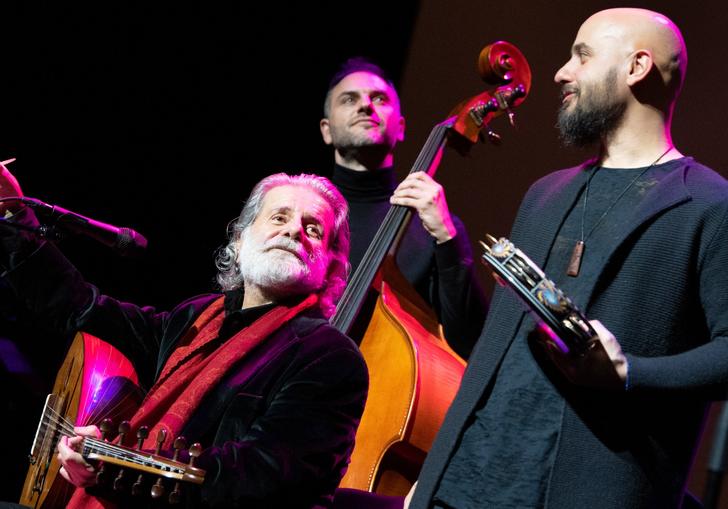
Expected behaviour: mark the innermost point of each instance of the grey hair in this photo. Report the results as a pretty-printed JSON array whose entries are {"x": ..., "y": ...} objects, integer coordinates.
[{"x": 229, "y": 277}]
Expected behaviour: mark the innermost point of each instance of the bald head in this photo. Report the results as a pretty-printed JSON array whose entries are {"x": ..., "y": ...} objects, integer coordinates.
[{"x": 629, "y": 30}]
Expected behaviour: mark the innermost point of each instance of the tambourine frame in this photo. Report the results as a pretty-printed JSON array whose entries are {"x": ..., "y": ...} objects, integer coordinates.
[{"x": 557, "y": 315}]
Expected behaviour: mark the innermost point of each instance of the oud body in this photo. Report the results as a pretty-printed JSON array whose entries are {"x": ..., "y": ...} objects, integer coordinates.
[{"x": 95, "y": 382}]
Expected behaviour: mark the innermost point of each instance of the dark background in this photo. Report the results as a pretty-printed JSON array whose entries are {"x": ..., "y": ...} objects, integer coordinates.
[{"x": 161, "y": 118}]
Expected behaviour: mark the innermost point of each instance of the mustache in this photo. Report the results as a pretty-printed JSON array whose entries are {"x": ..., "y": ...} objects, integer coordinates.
[
  {"x": 568, "y": 89},
  {"x": 294, "y": 247},
  {"x": 369, "y": 118},
  {"x": 285, "y": 244}
]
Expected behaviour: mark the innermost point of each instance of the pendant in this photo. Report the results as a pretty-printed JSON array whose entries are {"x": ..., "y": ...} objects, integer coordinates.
[{"x": 575, "y": 261}]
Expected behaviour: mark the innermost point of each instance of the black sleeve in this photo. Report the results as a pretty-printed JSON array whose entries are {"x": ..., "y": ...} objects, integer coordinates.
[
  {"x": 702, "y": 370},
  {"x": 50, "y": 288},
  {"x": 460, "y": 302}
]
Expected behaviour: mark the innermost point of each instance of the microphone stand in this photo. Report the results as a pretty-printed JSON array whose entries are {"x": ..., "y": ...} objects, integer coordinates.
[{"x": 44, "y": 230}]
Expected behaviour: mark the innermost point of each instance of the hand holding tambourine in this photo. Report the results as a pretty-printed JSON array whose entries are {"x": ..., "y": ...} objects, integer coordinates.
[{"x": 584, "y": 351}]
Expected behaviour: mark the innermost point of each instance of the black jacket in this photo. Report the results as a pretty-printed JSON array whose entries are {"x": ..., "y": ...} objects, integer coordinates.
[
  {"x": 281, "y": 424},
  {"x": 663, "y": 292}
]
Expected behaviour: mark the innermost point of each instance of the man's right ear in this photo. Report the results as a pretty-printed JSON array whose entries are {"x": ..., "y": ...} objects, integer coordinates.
[{"x": 325, "y": 130}]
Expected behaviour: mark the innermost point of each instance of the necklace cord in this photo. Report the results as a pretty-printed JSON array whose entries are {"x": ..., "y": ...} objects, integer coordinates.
[
  {"x": 624, "y": 191},
  {"x": 578, "y": 252}
]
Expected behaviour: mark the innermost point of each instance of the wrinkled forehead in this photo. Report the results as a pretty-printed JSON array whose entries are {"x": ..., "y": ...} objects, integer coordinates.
[{"x": 299, "y": 199}]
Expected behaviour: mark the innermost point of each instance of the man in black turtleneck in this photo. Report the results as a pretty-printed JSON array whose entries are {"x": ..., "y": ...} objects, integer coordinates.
[{"x": 362, "y": 121}]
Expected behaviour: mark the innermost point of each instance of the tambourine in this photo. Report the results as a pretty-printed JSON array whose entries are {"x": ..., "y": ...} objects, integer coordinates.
[{"x": 562, "y": 321}]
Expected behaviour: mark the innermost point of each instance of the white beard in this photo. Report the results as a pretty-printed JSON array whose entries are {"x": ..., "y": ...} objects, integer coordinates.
[{"x": 279, "y": 272}]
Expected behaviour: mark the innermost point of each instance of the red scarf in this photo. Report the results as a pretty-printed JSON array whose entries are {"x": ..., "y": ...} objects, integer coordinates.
[{"x": 192, "y": 371}]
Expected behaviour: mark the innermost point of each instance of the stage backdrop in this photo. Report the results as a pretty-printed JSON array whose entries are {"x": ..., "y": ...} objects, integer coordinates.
[{"x": 161, "y": 118}]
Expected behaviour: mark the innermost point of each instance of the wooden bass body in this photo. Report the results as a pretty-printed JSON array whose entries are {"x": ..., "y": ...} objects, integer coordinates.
[{"x": 414, "y": 375}]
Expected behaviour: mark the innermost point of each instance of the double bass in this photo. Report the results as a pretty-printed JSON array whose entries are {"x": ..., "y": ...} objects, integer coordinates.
[{"x": 414, "y": 374}]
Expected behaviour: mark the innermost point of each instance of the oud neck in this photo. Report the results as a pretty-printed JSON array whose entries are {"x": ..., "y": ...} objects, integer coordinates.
[
  {"x": 92, "y": 448},
  {"x": 95, "y": 448}
]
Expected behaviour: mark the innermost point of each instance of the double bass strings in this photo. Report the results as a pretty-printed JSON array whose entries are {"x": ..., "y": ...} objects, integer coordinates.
[{"x": 384, "y": 236}]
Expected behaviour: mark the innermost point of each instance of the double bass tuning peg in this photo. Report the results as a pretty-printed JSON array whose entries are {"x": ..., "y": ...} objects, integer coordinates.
[{"x": 490, "y": 135}]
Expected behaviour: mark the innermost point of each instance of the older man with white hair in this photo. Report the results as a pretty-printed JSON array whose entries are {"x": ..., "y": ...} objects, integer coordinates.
[{"x": 256, "y": 374}]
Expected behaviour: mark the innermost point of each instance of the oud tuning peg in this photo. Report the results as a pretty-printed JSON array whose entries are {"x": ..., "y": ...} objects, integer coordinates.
[
  {"x": 157, "y": 489},
  {"x": 102, "y": 476},
  {"x": 106, "y": 426},
  {"x": 179, "y": 444},
  {"x": 194, "y": 452},
  {"x": 142, "y": 434},
  {"x": 119, "y": 482},
  {"x": 161, "y": 437},
  {"x": 175, "y": 495},
  {"x": 124, "y": 428},
  {"x": 137, "y": 487}
]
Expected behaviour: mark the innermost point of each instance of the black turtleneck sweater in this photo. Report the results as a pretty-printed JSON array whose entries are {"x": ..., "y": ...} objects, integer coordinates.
[{"x": 441, "y": 273}]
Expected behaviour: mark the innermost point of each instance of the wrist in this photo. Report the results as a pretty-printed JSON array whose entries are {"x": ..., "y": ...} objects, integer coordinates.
[
  {"x": 622, "y": 367},
  {"x": 447, "y": 232}
]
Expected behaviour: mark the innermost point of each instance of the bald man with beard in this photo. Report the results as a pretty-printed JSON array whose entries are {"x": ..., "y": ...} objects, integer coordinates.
[{"x": 638, "y": 238}]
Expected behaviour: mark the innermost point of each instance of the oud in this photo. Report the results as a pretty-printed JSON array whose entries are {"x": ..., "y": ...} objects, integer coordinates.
[{"x": 96, "y": 384}]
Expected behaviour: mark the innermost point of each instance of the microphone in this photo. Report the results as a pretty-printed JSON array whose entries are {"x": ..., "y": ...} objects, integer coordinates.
[{"x": 125, "y": 241}]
